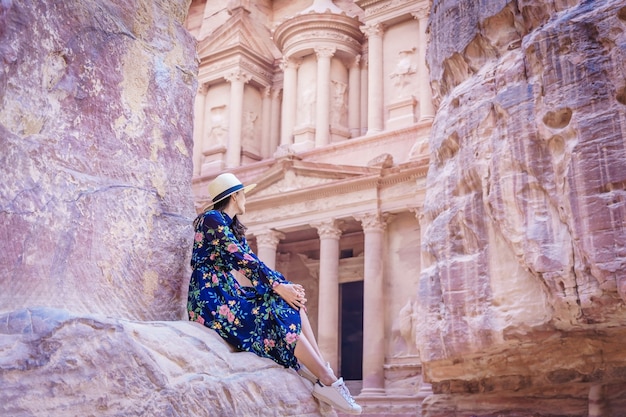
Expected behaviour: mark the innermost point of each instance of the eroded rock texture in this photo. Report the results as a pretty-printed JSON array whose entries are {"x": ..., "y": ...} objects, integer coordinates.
[
  {"x": 525, "y": 235},
  {"x": 118, "y": 367},
  {"x": 95, "y": 137}
]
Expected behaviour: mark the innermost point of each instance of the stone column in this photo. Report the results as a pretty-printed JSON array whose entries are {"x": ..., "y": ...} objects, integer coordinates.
[
  {"x": 198, "y": 127},
  {"x": 373, "y": 306},
  {"x": 266, "y": 246},
  {"x": 328, "y": 302},
  {"x": 322, "y": 105},
  {"x": 290, "y": 86},
  {"x": 364, "y": 95},
  {"x": 419, "y": 215},
  {"x": 425, "y": 96},
  {"x": 275, "y": 121},
  {"x": 237, "y": 81},
  {"x": 208, "y": 142},
  {"x": 375, "y": 82},
  {"x": 266, "y": 122},
  {"x": 425, "y": 389},
  {"x": 354, "y": 97}
]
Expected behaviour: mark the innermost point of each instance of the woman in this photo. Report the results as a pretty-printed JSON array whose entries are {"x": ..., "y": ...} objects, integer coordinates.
[{"x": 268, "y": 318}]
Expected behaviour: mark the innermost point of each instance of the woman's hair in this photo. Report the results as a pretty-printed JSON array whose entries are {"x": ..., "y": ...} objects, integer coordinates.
[{"x": 238, "y": 228}]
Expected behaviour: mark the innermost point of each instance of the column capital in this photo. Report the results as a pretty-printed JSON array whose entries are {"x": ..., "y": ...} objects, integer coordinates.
[
  {"x": 373, "y": 30},
  {"x": 325, "y": 51},
  {"x": 266, "y": 92},
  {"x": 238, "y": 75},
  {"x": 203, "y": 88},
  {"x": 421, "y": 13},
  {"x": 276, "y": 92},
  {"x": 417, "y": 211},
  {"x": 328, "y": 229},
  {"x": 355, "y": 63},
  {"x": 419, "y": 214},
  {"x": 269, "y": 238},
  {"x": 372, "y": 222},
  {"x": 288, "y": 62}
]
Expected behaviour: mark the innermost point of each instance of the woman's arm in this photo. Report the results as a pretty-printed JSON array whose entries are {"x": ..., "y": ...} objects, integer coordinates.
[{"x": 233, "y": 254}]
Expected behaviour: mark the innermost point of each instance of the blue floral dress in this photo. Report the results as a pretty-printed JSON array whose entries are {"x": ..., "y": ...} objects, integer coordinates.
[{"x": 254, "y": 319}]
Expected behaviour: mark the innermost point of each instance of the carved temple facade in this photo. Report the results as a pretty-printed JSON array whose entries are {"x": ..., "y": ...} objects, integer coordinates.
[{"x": 327, "y": 106}]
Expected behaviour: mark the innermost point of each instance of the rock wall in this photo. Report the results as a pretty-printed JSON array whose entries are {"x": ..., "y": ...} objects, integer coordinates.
[
  {"x": 95, "y": 201},
  {"x": 522, "y": 295}
]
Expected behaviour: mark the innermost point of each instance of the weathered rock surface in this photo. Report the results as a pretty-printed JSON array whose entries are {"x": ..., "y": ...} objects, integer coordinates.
[
  {"x": 523, "y": 289},
  {"x": 95, "y": 133},
  {"x": 55, "y": 364}
]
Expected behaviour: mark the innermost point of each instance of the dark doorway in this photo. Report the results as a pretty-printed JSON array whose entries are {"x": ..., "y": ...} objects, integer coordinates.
[{"x": 351, "y": 322}]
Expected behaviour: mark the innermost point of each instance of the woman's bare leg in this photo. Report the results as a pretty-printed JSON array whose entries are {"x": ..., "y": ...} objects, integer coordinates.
[
  {"x": 308, "y": 332},
  {"x": 336, "y": 396},
  {"x": 307, "y": 356}
]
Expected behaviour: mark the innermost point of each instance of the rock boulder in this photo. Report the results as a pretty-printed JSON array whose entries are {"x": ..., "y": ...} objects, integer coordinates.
[{"x": 55, "y": 364}]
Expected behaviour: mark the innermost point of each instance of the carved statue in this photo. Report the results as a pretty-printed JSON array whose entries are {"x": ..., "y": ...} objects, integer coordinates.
[
  {"x": 248, "y": 127},
  {"x": 403, "y": 330},
  {"x": 308, "y": 106},
  {"x": 404, "y": 71},
  {"x": 339, "y": 109},
  {"x": 218, "y": 132}
]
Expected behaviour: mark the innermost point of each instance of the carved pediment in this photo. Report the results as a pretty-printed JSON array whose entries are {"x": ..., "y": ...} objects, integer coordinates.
[
  {"x": 240, "y": 32},
  {"x": 290, "y": 176}
]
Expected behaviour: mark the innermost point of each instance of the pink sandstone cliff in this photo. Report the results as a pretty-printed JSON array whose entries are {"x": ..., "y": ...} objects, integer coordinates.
[
  {"x": 95, "y": 156},
  {"x": 95, "y": 223},
  {"x": 524, "y": 288}
]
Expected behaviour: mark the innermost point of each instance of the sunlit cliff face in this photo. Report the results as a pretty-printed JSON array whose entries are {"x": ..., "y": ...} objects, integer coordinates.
[
  {"x": 97, "y": 157},
  {"x": 523, "y": 287}
]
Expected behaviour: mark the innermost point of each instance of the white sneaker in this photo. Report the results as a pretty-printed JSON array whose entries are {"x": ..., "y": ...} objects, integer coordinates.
[{"x": 338, "y": 396}]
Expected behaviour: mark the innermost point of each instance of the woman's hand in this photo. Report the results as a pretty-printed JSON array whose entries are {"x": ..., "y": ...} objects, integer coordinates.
[{"x": 293, "y": 294}]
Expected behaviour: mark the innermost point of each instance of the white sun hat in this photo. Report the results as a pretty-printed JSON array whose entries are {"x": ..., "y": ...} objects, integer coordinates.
[{"x": 225, "y": 185}]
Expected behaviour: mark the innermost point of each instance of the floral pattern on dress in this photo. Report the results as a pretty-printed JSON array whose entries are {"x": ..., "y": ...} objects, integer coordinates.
[{"x": 254, "y": 319}]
